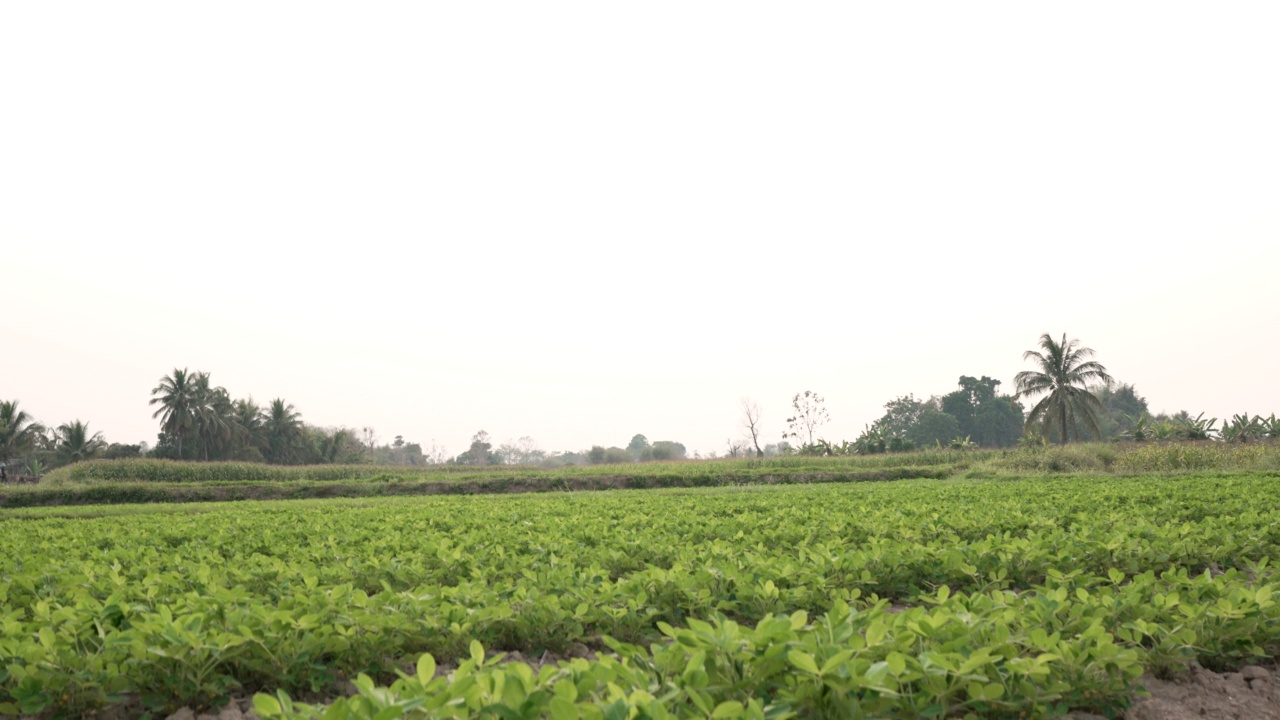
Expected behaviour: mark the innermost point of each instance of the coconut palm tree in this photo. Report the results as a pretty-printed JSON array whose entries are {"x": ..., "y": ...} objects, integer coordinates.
[
  {"x": 18, "y": 432},
  {"x": 74, "y": 443},
  {"x": 175, "y": 395},
  {"x": 282, "y": 427},
  {"x": 247, "y": 417},
  {"x": 1065, "y": 373},
  {"x": 210, "y": 413}
]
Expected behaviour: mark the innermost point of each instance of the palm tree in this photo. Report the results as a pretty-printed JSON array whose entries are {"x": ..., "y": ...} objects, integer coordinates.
[
  {"x": 175, "y": 395},
  {"x": 1065, "y": 371},
  {"x": 247, "y": 418},
  {"x": 210, "y": 412},
  {"x": 18, "y": 432},
  {"x": 75, "y": 443},
  {"x": 281, "y": 428}
]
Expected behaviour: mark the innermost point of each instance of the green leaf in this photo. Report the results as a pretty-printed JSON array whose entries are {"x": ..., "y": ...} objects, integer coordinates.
[
  {"x": 729, "y": 709},
  {"x": 562, "y": 709},
  {"x": 799, "y": 619},
  {"x": 266, "y": 706},
  {"x": 803, "y": 661},
  {"x": 835, "y": 661},
  {"x": 897, "y": 663},
  {"x": 426, "y": 668}
]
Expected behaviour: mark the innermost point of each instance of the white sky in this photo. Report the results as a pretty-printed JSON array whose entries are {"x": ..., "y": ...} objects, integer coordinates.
[{"x": 580, "y": 221}]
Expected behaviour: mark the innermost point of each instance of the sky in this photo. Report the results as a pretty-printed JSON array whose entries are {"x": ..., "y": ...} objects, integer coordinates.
[{"x": 579, "y": 221}]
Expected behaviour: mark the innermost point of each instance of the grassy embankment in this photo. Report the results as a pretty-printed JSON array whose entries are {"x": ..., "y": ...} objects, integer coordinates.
[{"x": 148, "y": 481}]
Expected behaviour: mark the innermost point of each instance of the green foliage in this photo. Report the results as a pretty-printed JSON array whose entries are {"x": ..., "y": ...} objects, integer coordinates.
[
  {"x": 1196, "y": 428},
  {"x": 665, "y": 450},
  {"x": 1270, "y": 426},
  {"x": 875, "y": 439},
  {"x": 1242, "y": 428},
  {"x": 1139, "y": 428},
  {"x": 975, "y": 410},
  {"x": 879, "y": 600},
  {"x": 933, "y": 427},
  {"x": 1120, "y": 406}
]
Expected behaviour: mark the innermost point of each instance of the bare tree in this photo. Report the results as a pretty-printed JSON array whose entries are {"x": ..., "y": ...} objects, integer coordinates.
[
  {"x": 751, "y": 423},
  {"x": 370, "y": 438}
]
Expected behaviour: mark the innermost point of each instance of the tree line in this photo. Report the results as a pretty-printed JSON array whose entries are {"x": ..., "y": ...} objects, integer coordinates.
[
  {"x": 1077, "y": 400},
  {"x": 200, "y": 421}
]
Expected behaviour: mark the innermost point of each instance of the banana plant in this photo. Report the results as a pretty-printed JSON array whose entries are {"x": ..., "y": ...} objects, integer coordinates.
[
  {"x": 1141, "y": 428},
  {"x": 1270, "y": 426},
  {"x": 1243, "y": 429},
  {"x": 1197, "y": 428},
  {"x": 1165, "y": 430}
]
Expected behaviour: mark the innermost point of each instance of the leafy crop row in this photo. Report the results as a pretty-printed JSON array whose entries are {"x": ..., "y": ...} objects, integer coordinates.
[{"x": 926, "y": 597}]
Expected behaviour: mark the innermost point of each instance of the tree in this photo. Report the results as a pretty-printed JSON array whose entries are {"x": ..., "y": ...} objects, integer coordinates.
[
  {"x": 1122, "y": 406},
  {"x": 963, "y": 404},
  {"x": 932, "y": 428},
  {"x": 1063, "y": 378},
  {"x": 903, "y": 413},
  {"x": 174, "y": 395},
  {"x": 640, "y": 449},
  {"x": 751, "y": 423},
  {"x": 282, "y": 430},
  {"x": 669, "y": 450},
  {"x": 246, "y": 419},
  {"x": 998, "y": 423},
  {"x": 116, "y": 451},
  {"x": 336, "y": 445},
  {"x": 18, "y": 432},
  {"x": 211, "y": 415},
  {"x": 74, "y": 442},
  {"x": 524, "y": 451},
  {"x": 480, "y": 453},
  {"x": 808, "y": 415}
]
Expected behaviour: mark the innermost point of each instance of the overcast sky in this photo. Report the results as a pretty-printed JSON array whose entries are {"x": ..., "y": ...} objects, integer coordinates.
[{"x": 582, "y": 221}]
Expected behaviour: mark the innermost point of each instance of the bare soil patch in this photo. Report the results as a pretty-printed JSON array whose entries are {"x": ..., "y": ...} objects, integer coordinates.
[{"x": 1251, "y": 693}]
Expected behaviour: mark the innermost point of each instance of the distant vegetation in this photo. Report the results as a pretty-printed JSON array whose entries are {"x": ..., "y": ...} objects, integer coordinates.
[
  {"x": 1076, "y": 399},
  {"x": 143, "y": 480}
]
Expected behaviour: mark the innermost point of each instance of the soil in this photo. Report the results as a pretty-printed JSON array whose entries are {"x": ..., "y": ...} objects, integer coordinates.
[{"x": 1252, "y": 693}]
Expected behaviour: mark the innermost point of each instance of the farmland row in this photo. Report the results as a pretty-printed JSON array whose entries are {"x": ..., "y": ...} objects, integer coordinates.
[{"x": 920, "y": 596}]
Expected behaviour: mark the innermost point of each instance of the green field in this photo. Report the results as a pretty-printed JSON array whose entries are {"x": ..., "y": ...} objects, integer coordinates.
[
  {"x": 164, "y": 481},
  {"x": 990, "y": 598}
]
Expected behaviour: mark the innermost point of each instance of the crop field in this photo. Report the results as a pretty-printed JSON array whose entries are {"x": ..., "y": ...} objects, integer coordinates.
[
  {"x": 917, "y": 598},
  {"x": 164, "y": 481}
]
